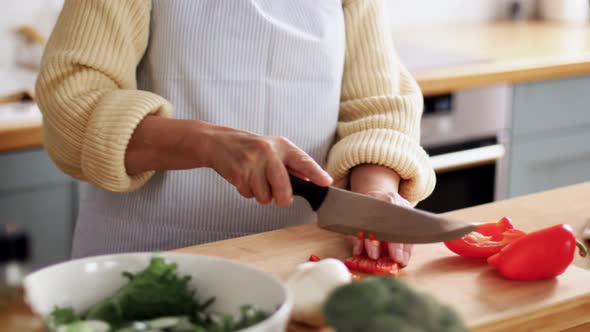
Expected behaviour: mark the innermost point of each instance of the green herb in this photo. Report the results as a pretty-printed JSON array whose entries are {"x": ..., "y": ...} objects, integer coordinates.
[
  {"x": 155, "y": 292},
  {"x": 77, "y": 327},
  {"x": 383, "y": 304},
  {"x": 156, "y": 299},
  {"x": 63, "y": 316}
]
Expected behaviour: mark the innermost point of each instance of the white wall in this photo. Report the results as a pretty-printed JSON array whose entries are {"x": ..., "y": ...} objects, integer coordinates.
[
  {"x": 418, "y": 12},
  {"x": 42, "y": 14},
  {"x": 39, "y": 13}
]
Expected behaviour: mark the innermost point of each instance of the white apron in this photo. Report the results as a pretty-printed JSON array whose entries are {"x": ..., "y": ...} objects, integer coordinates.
[{"x": 273, "y": 67}]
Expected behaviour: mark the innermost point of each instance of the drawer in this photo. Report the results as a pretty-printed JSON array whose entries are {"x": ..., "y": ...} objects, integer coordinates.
[
  {"x": 551, "y": 106},
  {"x": 547, "y": 163}
]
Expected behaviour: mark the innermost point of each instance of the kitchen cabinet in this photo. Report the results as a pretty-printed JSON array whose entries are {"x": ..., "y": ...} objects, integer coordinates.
[
  {"x": 35, "y": 194},
  {"x": 548, "y": 163},
  {"x": 550, "y": 135}
]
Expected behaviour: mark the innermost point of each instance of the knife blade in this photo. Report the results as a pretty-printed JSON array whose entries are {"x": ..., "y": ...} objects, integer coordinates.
[{"x": 349, "y": 213}]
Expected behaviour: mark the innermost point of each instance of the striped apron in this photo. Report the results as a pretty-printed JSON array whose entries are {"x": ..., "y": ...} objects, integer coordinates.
[{"x": 273, "y": 67}]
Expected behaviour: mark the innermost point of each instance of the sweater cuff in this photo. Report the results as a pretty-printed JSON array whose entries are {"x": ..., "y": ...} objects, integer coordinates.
[
  {"x": 387, "y": 148},
  {"x": 109, "y": 130}
]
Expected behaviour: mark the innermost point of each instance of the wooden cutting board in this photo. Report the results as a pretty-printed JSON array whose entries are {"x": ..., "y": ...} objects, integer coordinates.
[{"x": 486, "y": 301}]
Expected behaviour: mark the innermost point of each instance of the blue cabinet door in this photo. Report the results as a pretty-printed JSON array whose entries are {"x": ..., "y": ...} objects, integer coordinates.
[
  {"x": 547, "y": 163},
  {"x": 34, "y": 193},
  {"x": 550, "y": 108},
  {"x": 550, "y": 135}
]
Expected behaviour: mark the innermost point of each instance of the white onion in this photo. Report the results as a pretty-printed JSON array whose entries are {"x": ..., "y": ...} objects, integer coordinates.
[{"x": 311, "y": 284}]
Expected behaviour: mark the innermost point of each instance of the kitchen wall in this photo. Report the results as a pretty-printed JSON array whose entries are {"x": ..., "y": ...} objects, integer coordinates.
[
  {"x": 39, "y": 13},
  {"x": 419, "y": 12},
  {"x": 42, "y": 14}
]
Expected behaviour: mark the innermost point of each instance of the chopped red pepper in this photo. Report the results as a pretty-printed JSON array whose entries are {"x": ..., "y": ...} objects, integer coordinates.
[
  {"x": 486, "y": 240},
  {"x": 539, "y": 255},
  {"x": 314, "y": 258},
  {"x": 495, "y": 229},
  {"x": 364, "y": 264},
  {"x": 360, "y": 236}
]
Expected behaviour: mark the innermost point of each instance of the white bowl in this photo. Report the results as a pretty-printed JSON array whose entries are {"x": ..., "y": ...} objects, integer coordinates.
[{"x": 82, "y": 283}]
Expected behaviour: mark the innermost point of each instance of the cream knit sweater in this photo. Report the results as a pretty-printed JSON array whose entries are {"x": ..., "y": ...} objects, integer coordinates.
[{"x": 87, "y": 91}]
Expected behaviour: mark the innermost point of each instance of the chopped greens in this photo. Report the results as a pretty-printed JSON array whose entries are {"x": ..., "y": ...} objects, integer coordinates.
[
  {"x": 155, "y": 299},
  {"x": 62, "y": 316}
]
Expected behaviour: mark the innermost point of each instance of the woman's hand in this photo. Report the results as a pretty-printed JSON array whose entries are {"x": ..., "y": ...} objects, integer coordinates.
[
  {"x": 258, "y": 166},
  {"x": 381, "y": 183}
]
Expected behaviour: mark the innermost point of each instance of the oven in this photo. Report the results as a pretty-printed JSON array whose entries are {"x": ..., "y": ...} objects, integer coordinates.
[{"x": 467, "y": 137}]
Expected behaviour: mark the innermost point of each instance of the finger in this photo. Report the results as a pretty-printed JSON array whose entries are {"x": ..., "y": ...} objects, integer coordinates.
[
  {"x": 358, "y": 246},
  {"x": 408, "y": 252},
  {"x": 380, "y": 195},
  {"x": 396, "y": 198},
  {"x": 280, "y": 187},
  {"x": 260, "y": 187},
  {"x": 373, "y": 248},
  {"x": 396, "y": 252},
  {"x": 243, "y": 188},
  {"x": 297, "y": 174},
  {"x": 245, "y": 192},
  {"x": 303, "y": 164}
]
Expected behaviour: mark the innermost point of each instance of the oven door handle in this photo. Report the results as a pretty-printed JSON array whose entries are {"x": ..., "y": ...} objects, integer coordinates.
[{"x": 455, "y": 161}]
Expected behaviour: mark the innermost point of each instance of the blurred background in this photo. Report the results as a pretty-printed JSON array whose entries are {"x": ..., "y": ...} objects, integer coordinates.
[{"x": 506, "y": 86}]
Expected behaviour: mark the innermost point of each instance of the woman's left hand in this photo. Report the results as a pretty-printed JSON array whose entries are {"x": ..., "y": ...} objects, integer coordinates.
[{"x": 381, "y": 183}]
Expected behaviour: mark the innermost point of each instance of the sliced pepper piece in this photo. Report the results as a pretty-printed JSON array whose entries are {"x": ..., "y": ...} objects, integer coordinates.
[
  {"x": 495, "y": 229},
  {"x": 365, "y": 264},
  {"x": 314, "y": 258},
  {"x": 486, "y": 240}
]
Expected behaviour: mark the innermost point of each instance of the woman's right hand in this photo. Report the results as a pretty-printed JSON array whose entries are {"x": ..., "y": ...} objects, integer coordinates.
[{"x": 258, "y": 166}]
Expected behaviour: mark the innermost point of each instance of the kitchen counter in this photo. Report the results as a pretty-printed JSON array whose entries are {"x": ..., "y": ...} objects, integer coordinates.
[
  {"x": 20, "y": 122},
  {"x": 20, "y": 126},
  {"x": 478, "y": 55},
  {"x": 468, "y": 56},
  {"x": 486, "y": 301}
]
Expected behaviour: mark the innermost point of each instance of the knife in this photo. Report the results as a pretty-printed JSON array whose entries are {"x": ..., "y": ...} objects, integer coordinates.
[{"x": 349, "y": 213}]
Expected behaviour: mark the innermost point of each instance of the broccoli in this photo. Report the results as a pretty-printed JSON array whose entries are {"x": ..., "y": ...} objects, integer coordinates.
[{"x": 383, "y": 304}]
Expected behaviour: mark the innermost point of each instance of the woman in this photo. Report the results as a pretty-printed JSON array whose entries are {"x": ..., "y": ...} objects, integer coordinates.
[{"x": 259, "y": 88}]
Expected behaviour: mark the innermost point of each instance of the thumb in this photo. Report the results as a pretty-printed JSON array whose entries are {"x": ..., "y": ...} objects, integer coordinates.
[{"x": 382, "y": 195}]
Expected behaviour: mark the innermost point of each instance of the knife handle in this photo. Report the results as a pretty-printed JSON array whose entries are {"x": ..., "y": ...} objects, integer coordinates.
[{"x": 313, "y": 194}]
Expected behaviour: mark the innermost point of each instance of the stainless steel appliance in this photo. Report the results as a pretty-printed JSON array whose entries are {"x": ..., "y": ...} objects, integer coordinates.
[{"x": 467, "y": 136}]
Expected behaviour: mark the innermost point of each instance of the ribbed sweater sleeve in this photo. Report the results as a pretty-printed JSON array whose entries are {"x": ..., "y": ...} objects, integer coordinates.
[
  {"x": 87, "y": 90},
  {"x": 381, "y": 105}
]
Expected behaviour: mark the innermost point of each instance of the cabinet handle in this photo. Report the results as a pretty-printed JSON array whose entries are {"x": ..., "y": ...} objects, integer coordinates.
[{"x": 455, "y": 161}]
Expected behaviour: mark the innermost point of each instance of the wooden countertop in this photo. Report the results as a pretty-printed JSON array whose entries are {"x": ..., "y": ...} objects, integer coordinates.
[
  {"x": 20, "y": 126},
  {"x": 486, "y": 301},
  {"x": 511, "y": 53}
]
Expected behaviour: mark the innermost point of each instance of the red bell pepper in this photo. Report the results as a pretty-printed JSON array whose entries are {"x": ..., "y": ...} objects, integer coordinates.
[
  {"x": 314, "y": 258},
  {"x": 365, "y": 264},
  {"x": 486, "y": 240},
  {"x": 539, "y": 255},
  {"x": 495, "y": 229}
]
